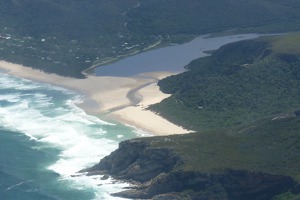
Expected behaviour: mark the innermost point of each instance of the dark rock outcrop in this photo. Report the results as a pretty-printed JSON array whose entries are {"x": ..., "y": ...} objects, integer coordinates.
[
  {"x": 179, "y": 185},
  {"x": 154, "y": 168},
  {"x": 252, "y": 185},
  {"x": 297, "y": 113},
  {"x": 231, "y": 184},
  {"x": 135, "y": 160}
]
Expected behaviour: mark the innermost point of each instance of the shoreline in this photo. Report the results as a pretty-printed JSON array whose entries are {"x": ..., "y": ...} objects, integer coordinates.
[{"x": 123, "y": 99}]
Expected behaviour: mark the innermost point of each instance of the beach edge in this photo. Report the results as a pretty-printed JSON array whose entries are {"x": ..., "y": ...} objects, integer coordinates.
[{"x": 122, "y": 99}]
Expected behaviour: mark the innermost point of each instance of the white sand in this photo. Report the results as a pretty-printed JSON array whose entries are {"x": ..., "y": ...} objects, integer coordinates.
[{"x": 110, "y": 96}]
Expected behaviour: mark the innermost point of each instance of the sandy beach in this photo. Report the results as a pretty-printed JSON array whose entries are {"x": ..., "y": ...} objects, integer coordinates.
[{"x": 119, "y": 98}]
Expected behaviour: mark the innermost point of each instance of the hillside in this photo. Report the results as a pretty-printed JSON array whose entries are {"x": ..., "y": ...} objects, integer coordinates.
[
  {"x": 200, "y": 16},
  {"x": 238, "y": 85},
  {"x": 259, "y": 163},
  {"x": 242, "y": 101},
  {"x": 271, "y": 146},
  {"x": 66, "y": 37},
  {"x": 248, "y": 144}
]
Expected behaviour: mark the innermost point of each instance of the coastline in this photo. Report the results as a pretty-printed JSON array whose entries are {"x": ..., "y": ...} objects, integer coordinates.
[{"x": 123, "y": 99}]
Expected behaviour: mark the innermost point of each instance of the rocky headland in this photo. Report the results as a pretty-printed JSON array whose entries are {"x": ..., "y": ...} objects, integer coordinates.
[
  {"x": 243, "y": 101},
  {"x": 155, "y": 174}
]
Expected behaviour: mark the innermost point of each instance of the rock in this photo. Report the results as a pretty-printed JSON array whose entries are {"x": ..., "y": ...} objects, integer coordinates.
[
  {"x": 174, "y": 196},
  {"x": 135, "y": 160},
  {"x": 297, "y": 113},
  {"x": 231, "y": 184},
  {"x": 253, "y": 185},
  {"x": 105, "y": 177},
  {"x": 153, "y": 169}
]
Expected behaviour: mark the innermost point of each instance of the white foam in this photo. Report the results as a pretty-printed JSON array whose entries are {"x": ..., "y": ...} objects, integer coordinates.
[
  {"x": 80, "y": 137},
  {"x": 11, "y": 98},
  {"x": 10, "y": 82},
  {"x": 79, "y": 112},
  {"x": 42, "y": 100},
  {"x": 105, "y": 187},
  {"x": 139, "y": 132}
]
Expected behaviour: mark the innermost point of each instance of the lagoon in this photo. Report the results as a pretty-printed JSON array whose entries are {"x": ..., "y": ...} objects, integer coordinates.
[{"x": 172, "y": 58}]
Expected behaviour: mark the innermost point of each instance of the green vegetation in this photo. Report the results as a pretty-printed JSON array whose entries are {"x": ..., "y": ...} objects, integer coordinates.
[
  {"x": 287, "y": 196},
  {"x": 273, "y": 146},
  {"x": 68, "y": 36},
  {"x": 286, "y": 44},
  {"x": 243, "y": 99},
  {"x": 238, "y": 85},
  {"x": 244, "y": 102},
  {"x": 270, "y": 147},
  {"x": 199, "y": 16}
]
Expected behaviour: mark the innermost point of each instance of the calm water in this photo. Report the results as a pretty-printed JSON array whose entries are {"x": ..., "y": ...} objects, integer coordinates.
[
  {"x": 172, "y": 58},
  {"x": 45, "y": 138}
]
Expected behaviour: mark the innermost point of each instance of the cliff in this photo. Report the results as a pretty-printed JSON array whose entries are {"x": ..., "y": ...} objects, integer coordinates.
[
  {"x": 244, "y": 101},
  {"x": 157, "y": 175},
  {"x": 135, "y": 160}
]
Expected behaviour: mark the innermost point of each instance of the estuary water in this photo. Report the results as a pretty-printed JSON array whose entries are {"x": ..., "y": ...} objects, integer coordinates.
[
  {"x": 45, "y": 139},
  {"x": 172, "y": 58}
]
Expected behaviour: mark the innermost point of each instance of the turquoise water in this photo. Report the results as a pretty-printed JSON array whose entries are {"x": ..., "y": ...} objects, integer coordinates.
[{"x": 45, "y": 139}]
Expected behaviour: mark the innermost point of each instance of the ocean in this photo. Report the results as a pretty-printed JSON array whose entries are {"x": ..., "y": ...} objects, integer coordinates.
[{"x": 45, "y": 139}]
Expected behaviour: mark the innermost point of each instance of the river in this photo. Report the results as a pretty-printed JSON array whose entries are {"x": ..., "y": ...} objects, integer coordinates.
[{"x": 172, "y": 58}]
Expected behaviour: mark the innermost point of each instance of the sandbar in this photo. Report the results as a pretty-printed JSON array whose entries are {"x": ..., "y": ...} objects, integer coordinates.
[{"x": 124, "y": 99}]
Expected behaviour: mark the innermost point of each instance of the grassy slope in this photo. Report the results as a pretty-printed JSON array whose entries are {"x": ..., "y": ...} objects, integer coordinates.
[
  {"x": 79, "y": 33},
  {"x": 273, "y": 146},
  {"x": 238, "y": 85},
  {"x": 270, "y": 143}
]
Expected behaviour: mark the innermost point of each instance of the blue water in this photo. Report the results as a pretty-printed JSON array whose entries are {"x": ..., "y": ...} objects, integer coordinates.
[
  {"x": 45, "y": 139},
  {"x": 172, "y": 58}
]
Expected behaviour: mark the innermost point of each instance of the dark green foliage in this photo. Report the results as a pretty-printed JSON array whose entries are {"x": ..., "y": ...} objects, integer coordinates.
[
  {"x": 65, "y": 36},
  {"x": 245, "y": 100},
  {"x": 239, "y": 84},
  {"x": 201, "y": 16},
  {"x": 68, "y": 36},
  {"x": 271, "y": 146},
  {"x": 287, "y": 196},
  {"x": 70, "y": 19}
]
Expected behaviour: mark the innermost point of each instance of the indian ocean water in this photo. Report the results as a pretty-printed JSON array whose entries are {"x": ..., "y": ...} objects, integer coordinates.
[{"x": 45, "y": 139}]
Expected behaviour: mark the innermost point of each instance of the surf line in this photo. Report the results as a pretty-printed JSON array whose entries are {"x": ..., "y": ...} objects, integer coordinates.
[{"x": 21, "y": 183}]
